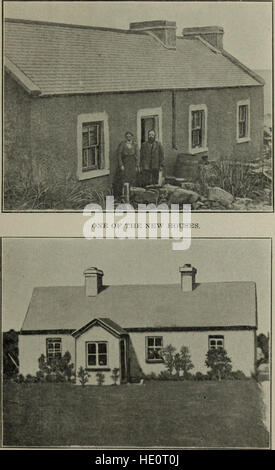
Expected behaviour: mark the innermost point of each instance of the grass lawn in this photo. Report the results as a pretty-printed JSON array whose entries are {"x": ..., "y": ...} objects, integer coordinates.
[{"x": 168, "y": 414}]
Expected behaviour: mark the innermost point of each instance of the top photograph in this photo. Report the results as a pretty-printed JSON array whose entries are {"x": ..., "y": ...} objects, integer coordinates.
[{"x": 148, "y": 102}]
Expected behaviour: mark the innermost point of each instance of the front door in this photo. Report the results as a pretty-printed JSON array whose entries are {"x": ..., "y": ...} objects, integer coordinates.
[{"x": 148, "y": 123}]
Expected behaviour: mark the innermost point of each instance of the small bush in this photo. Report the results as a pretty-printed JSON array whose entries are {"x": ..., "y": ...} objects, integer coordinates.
[
  {"x": 115, "y": 375},
  {"x": 30, "y": 379},
  {"x": 100, "y": 377},
  {"x": 20, "y": 379},
  {"x": 152, "y": 376},
  {"x": 83, "y": 376},
  {"x": 200, "y": 376},
  {"x": 237, "y": 375},
  {"x": 219, "y": 364},
  {"x": 165, "y": 375}
]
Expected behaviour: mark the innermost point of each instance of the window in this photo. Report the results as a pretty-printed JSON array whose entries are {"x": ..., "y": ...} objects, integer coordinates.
[
  {"x": 243, "y": 121},
  {"x": 215, "y": 342},
  {"x": 97, "y": 354},
  {"x": 92, "y": 145},
  {"x": 53, "y": 348},
  {"x": 197, "y": 128},
  {"x": 153, "y": 348},
  {"x": 149, "y": 118}
]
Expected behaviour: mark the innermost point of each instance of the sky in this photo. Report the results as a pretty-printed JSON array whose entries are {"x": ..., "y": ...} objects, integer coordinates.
[
  {"x": 29, "y": 263},
  {"x": 247, "y": 25}
]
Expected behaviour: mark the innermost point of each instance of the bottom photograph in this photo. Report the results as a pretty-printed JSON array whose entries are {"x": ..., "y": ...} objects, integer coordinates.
[{"x": 128, "y": 343}]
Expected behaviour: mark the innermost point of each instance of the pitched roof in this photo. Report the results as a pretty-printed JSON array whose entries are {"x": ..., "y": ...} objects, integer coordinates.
[
  {"x": 214, "y": 304},
  {"x": 67, "y": 59},
  {"x": 106, "y": 323}
]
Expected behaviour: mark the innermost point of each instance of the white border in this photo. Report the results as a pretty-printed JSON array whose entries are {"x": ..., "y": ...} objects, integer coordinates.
[{"x": 92, "y": 117}]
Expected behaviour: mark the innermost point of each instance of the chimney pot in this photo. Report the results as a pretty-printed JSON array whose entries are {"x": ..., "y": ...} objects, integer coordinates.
[
  {"x": 93, "y": 281},
  {"x": 188, "y": 277}
]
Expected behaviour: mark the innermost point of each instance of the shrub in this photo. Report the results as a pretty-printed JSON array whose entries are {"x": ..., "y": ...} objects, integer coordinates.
[
  {"x": 30, "y": 379},
  {"x": 57, "y": 369},
  {"x": 238, "y": 178},
  {"x": 20, "y": 379},
  {"x": 47, "y": 191},
  {"x": 219, "y": 363},
  {"x": 165, "y": 375},
  {"x": 152, "y": 376},
  {"x": 83, "y": 376},
  {"x": 167, "y": 355},
  {"x": 185, "y": 361},
  {"x": 237, "y": 375},
  {"x": 200, "y": 376},
  {"x": 115, "y": 375},
  {"x": 100, "y": 377}
]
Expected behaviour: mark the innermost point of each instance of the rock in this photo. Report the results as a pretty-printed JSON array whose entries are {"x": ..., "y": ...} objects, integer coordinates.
[
  {"x": 148, "y": 197},
  {"x": 170, "y": 188},
  {"x": 220, "y": 195},
  {"x": 242, "y": 200},
  {"x": 189, "y": 186},
  {"x": 183, "y": 196}
]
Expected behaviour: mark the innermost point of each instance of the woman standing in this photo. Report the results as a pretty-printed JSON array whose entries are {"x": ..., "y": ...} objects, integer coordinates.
[{"x": 128, "y": 159}]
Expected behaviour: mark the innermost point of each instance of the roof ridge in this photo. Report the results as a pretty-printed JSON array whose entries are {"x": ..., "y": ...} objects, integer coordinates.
[{"x": 69, "y": 25}]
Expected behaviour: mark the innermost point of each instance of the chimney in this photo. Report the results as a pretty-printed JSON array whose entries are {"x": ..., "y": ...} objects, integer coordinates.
[
  {"x": 93, "y": 281},
  {"x": 211, "y": 34},
  {"x": 163, "y": 31},
  {"x": 188, "y": 277}
]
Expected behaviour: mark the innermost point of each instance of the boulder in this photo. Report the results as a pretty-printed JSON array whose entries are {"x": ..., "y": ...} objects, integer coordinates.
[
  {"x": 189, "y": 186},
  {"x": 146, "y": 197},
  {"x": 183, "y": 196},
  {"x": 220, "y": 196}
]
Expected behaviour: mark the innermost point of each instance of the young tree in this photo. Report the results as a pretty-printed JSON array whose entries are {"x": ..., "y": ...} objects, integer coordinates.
[
  {"x": 100, "y": 377},
  {"x": 167, "y": 355},
  {"x": 185, "y": 361},
  {"x": 83, "y": 376},
  {"x": 177, "y": 363},
  {"x": 115, "y": 375},
  {"x": 219, "y": 363}
]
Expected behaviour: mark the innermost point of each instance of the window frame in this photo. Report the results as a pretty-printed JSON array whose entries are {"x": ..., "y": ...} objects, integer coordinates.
[
  {"x": 153, "y": 361},
  {"x": 203, "y": 148},
  {"x": 95, "y": 118},
  {"x": 54, "y": 340},
  {"x": 247, "y": 137},
  {"x": 146, "y": 113},
  {"x": 97, "y": 366},
  {"x": 216, "y": 338}
]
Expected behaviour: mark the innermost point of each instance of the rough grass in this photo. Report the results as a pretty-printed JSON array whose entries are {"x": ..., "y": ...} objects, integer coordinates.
[{"x": 175, "y": 414}]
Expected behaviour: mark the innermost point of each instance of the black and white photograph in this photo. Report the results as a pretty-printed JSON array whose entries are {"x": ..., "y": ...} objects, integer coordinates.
[
  {"x": 148, "y": 102},
  {"x": 108, "y": 344}
]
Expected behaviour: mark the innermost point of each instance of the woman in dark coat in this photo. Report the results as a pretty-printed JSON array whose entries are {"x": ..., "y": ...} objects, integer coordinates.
[{"x": 128, "y": 159}]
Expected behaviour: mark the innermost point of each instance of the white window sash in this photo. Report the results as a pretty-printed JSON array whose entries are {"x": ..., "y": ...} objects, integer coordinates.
[
  {"x": 203, "y": 148},
  {"x": 246, "y": 138}
]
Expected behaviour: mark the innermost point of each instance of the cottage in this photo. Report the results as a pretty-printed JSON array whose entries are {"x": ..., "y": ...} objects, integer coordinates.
[
  {"x": 107, "y": 327},
  {"x": 72, "y": 91}
]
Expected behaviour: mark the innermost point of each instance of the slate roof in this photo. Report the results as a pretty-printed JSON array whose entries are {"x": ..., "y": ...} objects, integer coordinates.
[
  {"x": 68, "y": 59},
  {"x": 214, "y": 304}
]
